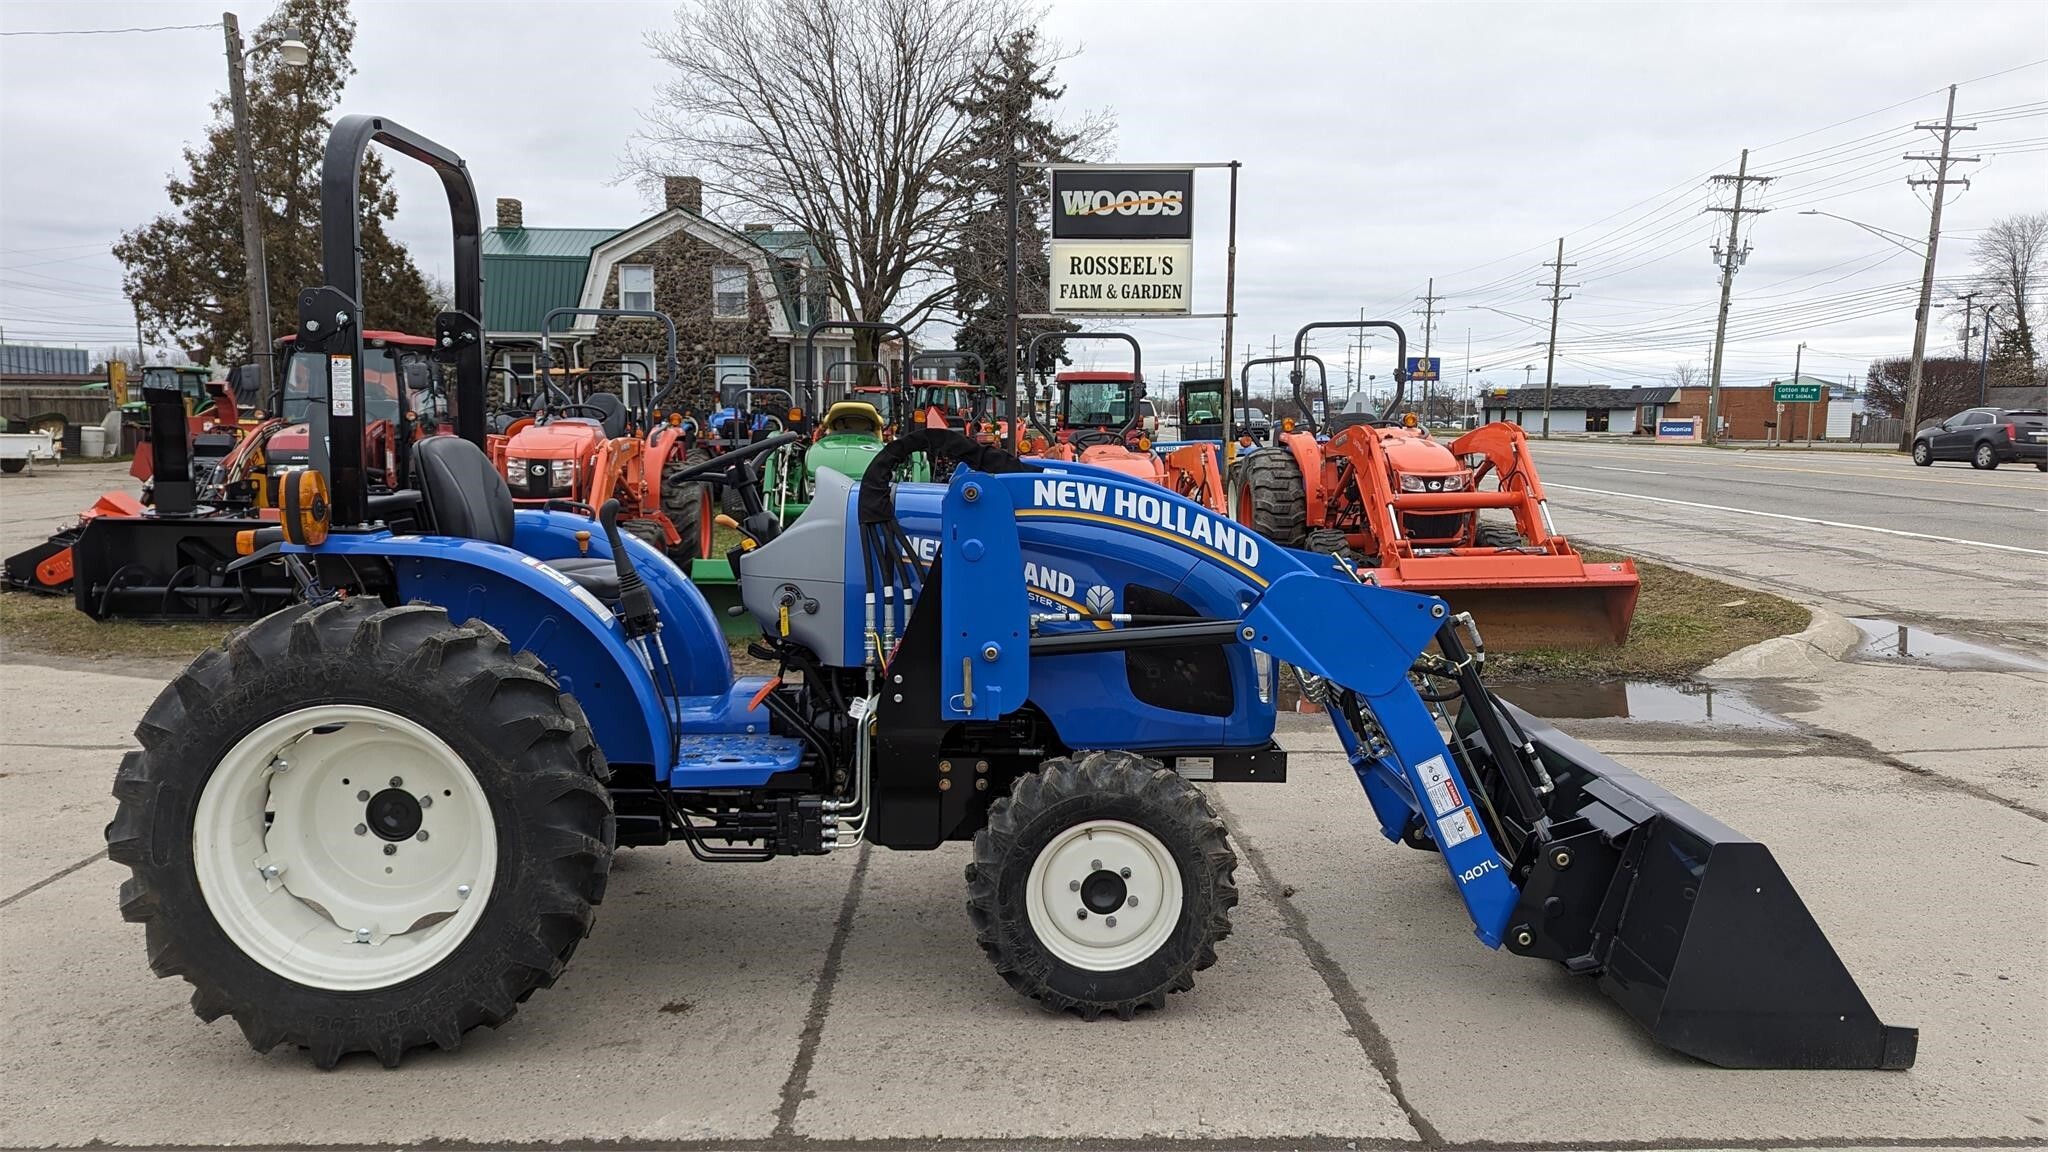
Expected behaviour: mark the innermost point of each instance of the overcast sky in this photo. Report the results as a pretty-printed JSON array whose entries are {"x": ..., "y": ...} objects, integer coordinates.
[{"x": 1382, "y": 145}]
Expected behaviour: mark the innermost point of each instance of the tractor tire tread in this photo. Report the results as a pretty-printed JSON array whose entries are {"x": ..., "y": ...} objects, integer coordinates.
[
  {"x": 1112, "y": 784},
  {"x": 1279, "y": 495},
  {"x": 530, "y": 746},
  {"x": 1496, "y": 535}
]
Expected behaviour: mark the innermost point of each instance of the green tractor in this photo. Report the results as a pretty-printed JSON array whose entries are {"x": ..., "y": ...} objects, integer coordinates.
[{"x": 850, "y": 431}]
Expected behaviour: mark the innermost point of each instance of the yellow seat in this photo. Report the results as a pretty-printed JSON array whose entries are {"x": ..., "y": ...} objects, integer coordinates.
[{"x": 852, "y": 416}]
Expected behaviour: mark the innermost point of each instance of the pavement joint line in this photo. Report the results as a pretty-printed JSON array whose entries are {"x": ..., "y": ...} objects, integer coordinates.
[
  {"x": 821, "y": 1002},
  {"x": 1314, "y": 1143},
  {"x": 1803, "y": 519},
  {"x": 53, "y": 877},
  {"x": 1378, "y": 1049}
]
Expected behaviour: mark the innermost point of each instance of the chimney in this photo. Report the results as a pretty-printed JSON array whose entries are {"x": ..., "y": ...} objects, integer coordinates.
[
  {"x": 510, "y": 214},
  {"x": 685, "y": 192},
  {"x": 760, "y": 227}
]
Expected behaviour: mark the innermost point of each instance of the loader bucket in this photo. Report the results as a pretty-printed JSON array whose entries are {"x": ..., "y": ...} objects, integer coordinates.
[
  {"x": 1524, "y": 602},
  {"x": 1688, "y": 924}
]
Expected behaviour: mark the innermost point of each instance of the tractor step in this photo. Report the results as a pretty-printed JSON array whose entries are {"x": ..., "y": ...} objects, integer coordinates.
[{"x": 727, "y": 760}]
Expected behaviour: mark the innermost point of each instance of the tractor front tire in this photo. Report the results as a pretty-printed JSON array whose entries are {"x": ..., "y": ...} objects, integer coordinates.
[
  {"x": 276, "y": 824},
  {"x": 1272, "y": 496},
  {"x": 1493, "y": 535},
  {"x": 685, "y": 505},
  {"x": 1101, "y": 883}
]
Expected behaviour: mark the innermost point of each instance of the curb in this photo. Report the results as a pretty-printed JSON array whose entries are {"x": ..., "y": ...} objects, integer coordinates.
[{"x": 1827, "y": 639}]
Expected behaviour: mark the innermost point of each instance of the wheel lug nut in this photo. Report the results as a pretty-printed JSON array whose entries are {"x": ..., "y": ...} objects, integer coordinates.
[
  {"x": 362, "y": 829},
  {"x": 1073, "y": 885},
  {"x": 462, "y": 890},
  {"x": 391, "y": 849},
  {"x": 422, "y": 836},
  {"x": 1133, "y": 902},
  {"x": 1124, "y": 872},
  {"x": 1110, "y": 921},
  {"x": 363, "y": 795},
  {"x": 362, "y": 935},
  {"x": 1080, "y": 913},
  {"x": 426, "y": 801},
  {"x": 1095, "y": 865},
  {"x": 397, "y": 782}
]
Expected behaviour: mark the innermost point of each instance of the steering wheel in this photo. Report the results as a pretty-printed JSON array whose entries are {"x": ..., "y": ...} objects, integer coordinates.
[
  {"x": 590, "y": 410},
  {"x": 1094, "y": 438},
  {"x": 723, "y": 462}
]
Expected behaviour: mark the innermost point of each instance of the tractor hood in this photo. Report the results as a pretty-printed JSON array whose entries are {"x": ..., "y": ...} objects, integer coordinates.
[
  {"x": 1412, "y": 453},
  {"x": 569, "y": 439},
  {"x": 846, "y": 453}
]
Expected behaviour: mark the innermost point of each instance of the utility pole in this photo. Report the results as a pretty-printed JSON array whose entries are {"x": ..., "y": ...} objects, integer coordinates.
[
  {"x": 1984, "y": 356},
  {"x": 1797, "y": 354},
  {"x": 1429, "y": 312},
  {"x": 1730, "y": 258},
  {"x": 1557, "y": 296},
  {"x": 1947, "y": 129},
  {"x": 1968, "y": 298},
  {"x": 252, "y": 221}
]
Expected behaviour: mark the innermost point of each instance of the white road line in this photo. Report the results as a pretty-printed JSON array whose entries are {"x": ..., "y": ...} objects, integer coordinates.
[
  {"x": 1804, "y": 520},
  {"x": 1637, "y": 471}
]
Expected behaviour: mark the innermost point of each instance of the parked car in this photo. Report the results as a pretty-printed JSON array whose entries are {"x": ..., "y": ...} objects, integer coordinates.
[{"x": 1986, "y": 437}]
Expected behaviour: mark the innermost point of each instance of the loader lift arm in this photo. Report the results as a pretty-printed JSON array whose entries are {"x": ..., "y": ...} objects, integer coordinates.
[{"x": 1556, "y": 851}]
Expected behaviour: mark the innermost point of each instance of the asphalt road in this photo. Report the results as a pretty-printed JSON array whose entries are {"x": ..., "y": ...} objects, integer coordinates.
[{"x": 1867, "y": 534}]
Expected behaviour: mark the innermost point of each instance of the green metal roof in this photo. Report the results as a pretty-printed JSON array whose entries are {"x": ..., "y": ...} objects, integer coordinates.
[
  {"x": 530, "y": 270},
  {"x": 545, "y": 242}
]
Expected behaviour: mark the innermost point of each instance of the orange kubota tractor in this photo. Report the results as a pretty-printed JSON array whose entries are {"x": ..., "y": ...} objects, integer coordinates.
[
  {"x": 1410, "y": 511},
  {"x": 576, "y": 451},
  {"x": 1100, "y": 422}
]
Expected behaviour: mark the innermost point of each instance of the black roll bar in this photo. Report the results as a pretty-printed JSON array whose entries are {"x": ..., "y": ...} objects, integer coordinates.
[
  {"x": 1400, "y": 357},
  {"x": 1244, "y": 381},
  {"x": 1137, "y": 368},
  {"x": 331, "y": 315}
]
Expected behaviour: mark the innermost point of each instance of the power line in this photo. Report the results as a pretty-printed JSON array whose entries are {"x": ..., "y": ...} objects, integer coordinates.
[{"x": 112, "y": 31}]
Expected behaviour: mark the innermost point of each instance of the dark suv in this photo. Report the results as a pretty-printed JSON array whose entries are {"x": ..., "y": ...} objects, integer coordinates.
[{"x": 1986, "y": 437}]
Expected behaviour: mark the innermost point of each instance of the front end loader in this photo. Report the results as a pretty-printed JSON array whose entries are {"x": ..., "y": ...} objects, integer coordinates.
[
  {"x": 384, "y": 815},
  {"x": 1420, "y": 515}
]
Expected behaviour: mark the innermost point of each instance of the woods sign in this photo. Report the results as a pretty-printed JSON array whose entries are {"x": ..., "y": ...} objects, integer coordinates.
[{"x": 1122, "y": 239}]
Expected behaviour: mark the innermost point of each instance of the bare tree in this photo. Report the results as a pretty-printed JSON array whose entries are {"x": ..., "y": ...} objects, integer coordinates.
[
  {"x": 842, "y": 116},
  {"x": 1688, "y": 375},
  {"x": 2012, "y": 256}
]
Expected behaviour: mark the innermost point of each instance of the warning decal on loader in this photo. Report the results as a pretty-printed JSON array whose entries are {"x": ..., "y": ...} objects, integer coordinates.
[
  {"x": 1457, "y": 828},
  {"x": 1443, "y": 790}
]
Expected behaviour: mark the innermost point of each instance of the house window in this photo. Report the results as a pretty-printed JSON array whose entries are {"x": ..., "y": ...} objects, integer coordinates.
[
  {"x": 729, "y": 292},
  {"x": 518, "y": 378},
  {"x": 734, "y": 373},
  {"x": 636, "y": 287}
]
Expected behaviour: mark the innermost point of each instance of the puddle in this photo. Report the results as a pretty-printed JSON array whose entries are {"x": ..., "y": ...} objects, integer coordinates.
[
  {"x": 1643, "y": 701},
  {"x": 1891, "y": 640}
]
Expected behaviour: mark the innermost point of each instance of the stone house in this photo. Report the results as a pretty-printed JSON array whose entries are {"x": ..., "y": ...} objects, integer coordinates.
[{"x": 741, "y": 301}]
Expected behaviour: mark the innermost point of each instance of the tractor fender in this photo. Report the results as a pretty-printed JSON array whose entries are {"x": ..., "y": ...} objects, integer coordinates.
[{"x": 568, "y": 629}]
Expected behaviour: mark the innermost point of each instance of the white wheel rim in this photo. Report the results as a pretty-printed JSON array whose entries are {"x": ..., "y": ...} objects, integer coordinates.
[
  {"x": 299, "y": 890},
  {"x": 1076, "y": 872}
]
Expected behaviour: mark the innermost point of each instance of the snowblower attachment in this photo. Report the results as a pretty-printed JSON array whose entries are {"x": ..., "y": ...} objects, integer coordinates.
[{"x": 1686, "y": 923}]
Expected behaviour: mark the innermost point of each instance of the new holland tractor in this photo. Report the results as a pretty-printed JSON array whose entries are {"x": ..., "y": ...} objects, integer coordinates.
[
  {"x": 373, "y": 822},
  {"x": 1409, "y": 511}
]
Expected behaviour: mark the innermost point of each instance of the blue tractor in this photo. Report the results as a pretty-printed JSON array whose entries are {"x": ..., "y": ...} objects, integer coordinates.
[{"x": 385, "y": 815}]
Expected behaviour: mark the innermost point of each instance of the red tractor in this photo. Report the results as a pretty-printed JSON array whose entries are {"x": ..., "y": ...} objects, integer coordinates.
[{"x": 1101, "y": 421}]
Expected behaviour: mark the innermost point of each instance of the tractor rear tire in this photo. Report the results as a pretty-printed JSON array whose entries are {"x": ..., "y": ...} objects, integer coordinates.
[
  {"x": 1101, "y": 883},
  {"x": 267, "y": 763},
  {"x": 684, "y": 504},
  {"x": 1272, "y": 496}
]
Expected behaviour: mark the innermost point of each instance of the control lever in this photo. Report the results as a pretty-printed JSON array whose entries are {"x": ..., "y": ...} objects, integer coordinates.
[{"x": 636, "y": 603}]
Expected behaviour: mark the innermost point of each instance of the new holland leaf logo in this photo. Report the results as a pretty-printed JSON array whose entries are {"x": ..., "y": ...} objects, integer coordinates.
[{"x": 1101, "y": 600}]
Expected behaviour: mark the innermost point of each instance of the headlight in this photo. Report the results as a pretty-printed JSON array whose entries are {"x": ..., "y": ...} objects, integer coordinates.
[
  {"x": 562, "y": 473},
  {"x": 1457, "y": 482},
  {"x": 521, "y": 472}
]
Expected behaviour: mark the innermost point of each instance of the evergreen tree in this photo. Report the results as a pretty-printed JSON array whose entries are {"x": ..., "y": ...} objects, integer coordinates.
[
  {"x": 1010, "y": 117},
  {"x": 184, "y": 268}
]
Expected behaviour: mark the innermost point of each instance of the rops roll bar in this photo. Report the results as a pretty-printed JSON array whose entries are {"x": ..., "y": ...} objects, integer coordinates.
[
  {"x": 1137, "y": 367},
  {"x": 547, "y": 324},
  {"x": 331, "y": 315},
  {"x": 1400, "y": 358},
  {"x": 1244, "y": 380}
]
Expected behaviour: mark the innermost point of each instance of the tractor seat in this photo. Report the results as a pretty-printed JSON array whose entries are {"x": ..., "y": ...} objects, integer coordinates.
[
  {"x": 614, "y": 409},
  {"x": 852, "y": 416},
  {"x": 462, "y": 495}
]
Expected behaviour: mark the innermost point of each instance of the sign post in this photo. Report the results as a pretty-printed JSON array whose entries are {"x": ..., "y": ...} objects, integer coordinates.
[{"x": 1807, "y": 394}]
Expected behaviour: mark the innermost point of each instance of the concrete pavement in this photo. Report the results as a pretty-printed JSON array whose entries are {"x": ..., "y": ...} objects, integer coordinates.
[
  {"x": 820, "y": 1002},
  {"x": 1945, "y": 547}
]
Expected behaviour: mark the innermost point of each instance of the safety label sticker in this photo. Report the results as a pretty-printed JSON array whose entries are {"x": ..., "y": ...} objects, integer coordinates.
[
  {"x": 573, "y": 588},
  {"x": 341, "y": 385},
  {"x": 1442, "y": 788},
  {"x": 1457, "y": 828}
]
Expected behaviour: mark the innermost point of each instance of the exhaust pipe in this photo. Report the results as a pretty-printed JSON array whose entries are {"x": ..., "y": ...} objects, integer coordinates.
[{"x": 1686, "y": 923}]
